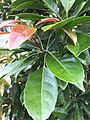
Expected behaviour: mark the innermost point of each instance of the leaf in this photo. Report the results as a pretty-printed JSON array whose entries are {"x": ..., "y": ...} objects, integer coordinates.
[
  {"x": 67, "y": 4},
  {"x": 78, "y": 114},
  {"x": 1, "y": 89},
  {"x": 6, "y": 80},
  {"x": 8, "y": 23},
  {"x": 86, "y": 108},
  {"x": 66, "y": 68},
  {"x": 77, "y": 21},
  {"x": 17, "y": 66},
  {"x": 60, "y": 113},
  {"x": 52, "y": 5},
  {"x": 71, "y": 34},
  {"x": 82, "y": 44},
  {"x": 86, "y": 7},
  {"x": 80, "y": 7},
  {"x": 57, "y": 25},
  {"x": 18, "y": 2},
  {"x": 19, "y": 34},
  {"x": 40, "y": 94},
  {"x": 29, "y": 16},
  {"x": 47, "y": 20},
  {"x": 62, "y": 84},
  {"x": 29, "y": 5}
]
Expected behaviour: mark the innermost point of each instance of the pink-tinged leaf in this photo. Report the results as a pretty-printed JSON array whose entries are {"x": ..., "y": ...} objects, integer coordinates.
[
  {"x": 47, "y": 20},
  {"x": 19, "y": 34},
  {"x": 71, "y": 34},
  {"x": 8, "y": 23}
]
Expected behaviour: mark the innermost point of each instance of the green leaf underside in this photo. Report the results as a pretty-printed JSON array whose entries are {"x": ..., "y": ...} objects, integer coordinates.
[
  {"x": 58, "y": 24},
  {"x": 29, "y": 5},
  {"x": 51, "y": 5},
  {"x": 15, "y": 67},
  {"x": 40, "y": 94},
  {"x": 67, "y": 4},
  {"x": 29, "y": 16},
  {"x": 67, "y": 69},
  {"x": 82, "y": 44}
]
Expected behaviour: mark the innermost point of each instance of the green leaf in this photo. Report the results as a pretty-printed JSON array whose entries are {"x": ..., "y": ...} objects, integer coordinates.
[
  {"x": 57, "y": 25},
  {"x": 66, "y": 68},
  {"x": 80, "y": 7},
  {"x": 18, "y": 2},
  {"x": 52, "y": 5},
  {"x": 78, "y": 114},
  {"x": 29, "y": 16},
  {"x": 77, "y": 21},
  {"x": 82, "y": 44},
  {"x": 86, "y": 7},
  {"x": 40, "y": 94},
  {"x": 29, "y": 5},
  {"x": 60, "y": 113},
  {"x": 86, "y": 108},
  {"x": 16, "y": 66},
  {"x": 67, "y": 4},
  {"x": 62, "y": 84}
]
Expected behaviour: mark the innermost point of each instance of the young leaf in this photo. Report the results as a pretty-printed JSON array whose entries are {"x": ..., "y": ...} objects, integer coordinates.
[
  {"x": 71, "y": 34},
  {"x": 67, "y": 4},
  {"x": 57, "y": 25},
  {"x": 40, "y": 94},
  {"x": 19, "y": 34},
  {"x": 8, "y": 23},
  {"x": 66, "y": 68},
  {"x": 82, "y": 44},
  {"x": 47, "y": 20}
]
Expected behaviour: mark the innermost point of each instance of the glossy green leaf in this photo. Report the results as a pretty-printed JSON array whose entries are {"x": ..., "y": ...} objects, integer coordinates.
[
  {"x": 40, "y": 94},
  {"x": 52, "y": 5},
  {"x": 67, "y": 4},
  {"x": 58, "y": 24},
  {"x": 66, "y": 68},
  {"x": 16, "y": 66},
  {"x": 78, "y": 21},
  {"x": 29, "y": 5},
  {"x": 82, "y": 44},
  {"x": 29, "y": 16},
  {"x": 18, "y": 2}
]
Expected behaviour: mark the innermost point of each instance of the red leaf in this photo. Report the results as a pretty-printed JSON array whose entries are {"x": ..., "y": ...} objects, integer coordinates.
[
  {"x": 19, "y": 34},
  {"x": 8, "y": 23},
  {"x": 47, "y": 20}
]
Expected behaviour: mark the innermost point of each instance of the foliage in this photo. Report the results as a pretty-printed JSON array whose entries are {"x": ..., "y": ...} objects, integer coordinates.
[{"x": 45, "y": 60}]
